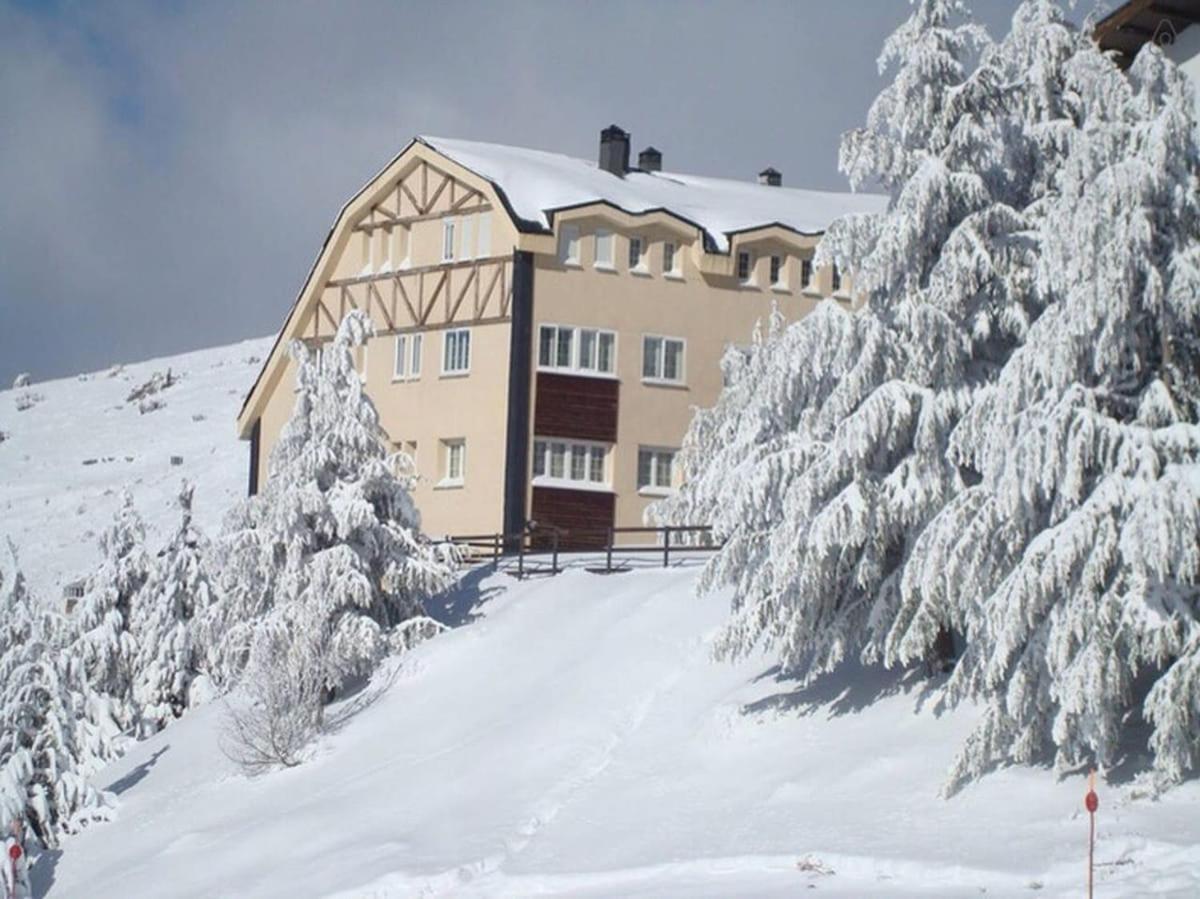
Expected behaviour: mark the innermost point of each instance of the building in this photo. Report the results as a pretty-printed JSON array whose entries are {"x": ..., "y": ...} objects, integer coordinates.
[{"x": 547, "y": 325}]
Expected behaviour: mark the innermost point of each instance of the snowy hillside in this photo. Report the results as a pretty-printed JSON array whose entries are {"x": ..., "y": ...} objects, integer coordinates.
[
  {"x": 65, "y": 458},
  {"x": 574, "y": 738}
]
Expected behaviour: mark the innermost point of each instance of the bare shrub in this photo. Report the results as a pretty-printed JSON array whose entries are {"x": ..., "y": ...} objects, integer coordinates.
[{"x": 278, "y": 710}]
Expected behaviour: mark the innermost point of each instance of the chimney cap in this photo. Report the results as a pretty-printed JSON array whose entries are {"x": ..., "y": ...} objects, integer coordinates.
[
  {"x": 770, "y": 176},
  {"x": 614, "y": 150},
  {"x": 650, "y": 160}
]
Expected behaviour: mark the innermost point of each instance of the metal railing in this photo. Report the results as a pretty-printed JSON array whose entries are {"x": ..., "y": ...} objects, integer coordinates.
[{"x": 539, "y": 541}]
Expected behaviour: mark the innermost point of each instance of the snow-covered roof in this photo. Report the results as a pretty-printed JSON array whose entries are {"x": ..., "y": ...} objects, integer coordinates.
[{"x": 536, "y": 183}]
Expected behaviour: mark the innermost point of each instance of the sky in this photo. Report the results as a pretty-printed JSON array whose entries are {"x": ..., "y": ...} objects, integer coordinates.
[{"x": 168, "y": 171}]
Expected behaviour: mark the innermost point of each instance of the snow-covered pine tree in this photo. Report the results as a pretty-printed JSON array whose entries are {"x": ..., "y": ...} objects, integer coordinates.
[
  {"x": 176, "y": 596},
  {"x": 332, "y": 546},
  {"x": 826, "y": 456},
  {"x": 45, "y": 760},
  {"x": 104, "y": 647},
  {"x": 1075, "y": 563}
]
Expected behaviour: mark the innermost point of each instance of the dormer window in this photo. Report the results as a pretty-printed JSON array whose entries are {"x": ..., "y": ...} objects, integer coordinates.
[
  {"x": 637, "y": 255},
  {"x": 568, "y": 245},
  {"x": 671, "y": 259},
  {"x": 777, "y": 272},
  {"x": 604, "y": 249},
  {"x": 745, "y": 267}
]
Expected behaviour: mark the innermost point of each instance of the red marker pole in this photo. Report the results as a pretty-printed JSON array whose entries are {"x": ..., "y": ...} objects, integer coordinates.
[
  {"x": 1091, "y": 802},
  {"x": 14, "y": 856}
]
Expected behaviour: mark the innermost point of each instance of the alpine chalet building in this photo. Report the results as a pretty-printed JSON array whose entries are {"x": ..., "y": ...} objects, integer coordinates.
[{"x": 545, "y": 326}]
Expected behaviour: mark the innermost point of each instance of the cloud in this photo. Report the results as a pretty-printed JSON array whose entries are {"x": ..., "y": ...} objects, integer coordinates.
[{"x": 168, "y": 172}]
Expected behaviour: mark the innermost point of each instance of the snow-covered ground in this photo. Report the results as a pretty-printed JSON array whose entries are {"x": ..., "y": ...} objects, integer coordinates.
[
  {"x": 574, "y": 738},
  {"x": 64, "y": 461}
]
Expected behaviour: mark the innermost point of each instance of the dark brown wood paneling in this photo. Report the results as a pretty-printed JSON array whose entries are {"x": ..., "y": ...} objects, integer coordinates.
[
  {"x": 576, "y": 406},
  {"x": 586, "y": 515}
]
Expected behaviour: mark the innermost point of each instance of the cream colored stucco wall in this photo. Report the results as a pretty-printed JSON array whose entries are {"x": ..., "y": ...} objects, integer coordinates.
[
  {"x": 439, "y": 407},
  {"x": 433, "y": 407},
  {"x": 708, "y": 312}
]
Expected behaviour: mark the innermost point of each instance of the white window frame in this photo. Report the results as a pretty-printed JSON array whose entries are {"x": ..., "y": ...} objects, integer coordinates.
[
  {"x": 449, "y": 446},
  {"x": 655, "y": 487},
  {"x": 455, "y": 372},
  {"x": 483, "y": 236},
  {"x": 569, "y": 244},
  {"x": 751, "y": 265},
  {"x": 466, "y": 237},
  {"x": 660, "y": 366},
  {"x": 642, "y": 266},
  {"x": 574, "y": 366},
  {"x": 604, "y": 237},
  {"x": 449, "y": 235},
  {"x": 675, "y": 270},
  {"x": 543, "y": 448},
  {"x": 406, "y": 358}
]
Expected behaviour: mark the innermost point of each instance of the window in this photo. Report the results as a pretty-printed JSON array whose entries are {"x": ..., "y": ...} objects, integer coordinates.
[
  {"x": 777, "y": 271},
  {"x": 806, "y": 273},
  {"x": 558, "y": 456},
  {"x": 407, "y": 364},
  {"x": 655, "y": 469},
  {"x": 483, "y": 248},
  {"x": 405, "y": 459},
  {"x": 670, "y": 262},
  {"x": 570, "y": 461},
  {"x": 396, "y": 247},
  {"x": 456, "y": 352},
  {"x": 400, "y": 367},
  {"x": 447, "y": 240},
  {"x": 604, "y": 249},
  {"x": 454, "y": 462},
  {"x": 662, "y": 359},
  {"x": 368, "y": 250},
  {"x": 637, "y": 255},
  {"x": 360, "y": 361},
  {"x": 745, "y": 267},
  {"x": 577, "y": 349},
  {"x": 466, "y": 248},
  {"x": 579, "y": 463},
  {"x": 835, "y": 279},
  {"x": 568, "y": 245}
]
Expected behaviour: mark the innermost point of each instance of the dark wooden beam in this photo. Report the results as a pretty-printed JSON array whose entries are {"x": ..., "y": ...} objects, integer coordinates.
[{"x": 1191, "y": 16}]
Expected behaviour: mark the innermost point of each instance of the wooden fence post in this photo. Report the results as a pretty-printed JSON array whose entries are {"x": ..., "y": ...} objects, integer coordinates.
[
  {"x": 608, "y": 552},
  {"x": 667, "y": 546},
  {"x": 496, "y": 551}
]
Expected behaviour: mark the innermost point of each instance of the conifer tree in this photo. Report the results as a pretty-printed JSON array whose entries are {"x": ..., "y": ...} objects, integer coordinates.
[
  {"x": 176, "y": 596},
  {"x": 105, "y": 648},
  {"x": 1001, "y": 443},
  {"x": 45, "y": 763},
  {"x": 332, "y": 546}
]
